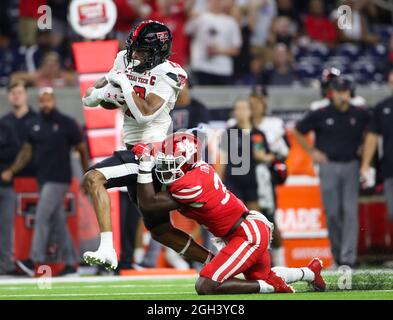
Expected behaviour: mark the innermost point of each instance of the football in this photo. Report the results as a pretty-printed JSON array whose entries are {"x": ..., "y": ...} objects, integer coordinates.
[{"x": 108, "y": 105}]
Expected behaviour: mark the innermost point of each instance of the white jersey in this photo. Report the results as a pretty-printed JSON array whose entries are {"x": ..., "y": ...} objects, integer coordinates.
[{"x": 166, "y": 81}]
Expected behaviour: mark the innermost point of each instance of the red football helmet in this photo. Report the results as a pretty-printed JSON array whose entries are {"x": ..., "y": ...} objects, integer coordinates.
[{"x": 180, "y": 151}]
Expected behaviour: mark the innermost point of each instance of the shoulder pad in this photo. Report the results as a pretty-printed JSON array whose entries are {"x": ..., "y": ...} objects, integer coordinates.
[
  {"x": 120, "y": 60},
  {"x": 172, "y": 73}
]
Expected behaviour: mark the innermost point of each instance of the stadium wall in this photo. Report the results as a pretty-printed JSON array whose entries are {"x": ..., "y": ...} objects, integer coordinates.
[{"x": 215, "y": 98}]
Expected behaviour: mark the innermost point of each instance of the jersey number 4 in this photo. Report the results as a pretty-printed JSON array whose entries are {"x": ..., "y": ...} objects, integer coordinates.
[
  {"x": 141, "y": 93},
  {"x": 217, "y": 184}
]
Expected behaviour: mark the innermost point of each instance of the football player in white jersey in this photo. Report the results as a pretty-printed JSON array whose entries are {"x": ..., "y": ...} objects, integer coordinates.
[{"x": 145, "y": 85}]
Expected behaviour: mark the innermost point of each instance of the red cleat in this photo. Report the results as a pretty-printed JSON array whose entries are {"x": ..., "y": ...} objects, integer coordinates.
[
  {"x": 278, "y": 284},
  {"x": 316, "y": 266}
]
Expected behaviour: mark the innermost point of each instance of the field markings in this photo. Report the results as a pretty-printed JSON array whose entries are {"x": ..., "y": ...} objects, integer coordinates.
[
  {"x": 87, "y": 279},
  {"x": 36, "y": 295},
  {"x": 98, "y": 286},
  {"x": 48, "y": 295}
]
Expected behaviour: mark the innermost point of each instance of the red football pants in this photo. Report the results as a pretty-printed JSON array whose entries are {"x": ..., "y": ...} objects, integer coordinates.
[{"x": 246, "y": 252}]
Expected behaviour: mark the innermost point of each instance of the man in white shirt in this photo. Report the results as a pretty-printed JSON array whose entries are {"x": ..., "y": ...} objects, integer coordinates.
[{"x": 216, "y": 39}]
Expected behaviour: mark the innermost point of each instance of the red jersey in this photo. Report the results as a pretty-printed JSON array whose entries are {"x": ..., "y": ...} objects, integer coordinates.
[{"x": 207, "y": 200}]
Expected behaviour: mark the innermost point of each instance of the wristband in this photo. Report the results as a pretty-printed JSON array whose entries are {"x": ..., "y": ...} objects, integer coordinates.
[
  {"x": 144, "y": 178},
  {"x": 146, "y": 165}
]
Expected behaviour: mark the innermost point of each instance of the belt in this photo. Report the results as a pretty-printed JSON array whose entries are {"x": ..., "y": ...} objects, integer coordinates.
[{"x": 237, "y": 224}]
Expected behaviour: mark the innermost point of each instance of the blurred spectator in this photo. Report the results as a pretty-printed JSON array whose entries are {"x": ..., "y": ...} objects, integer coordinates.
[
  {"x": 50, "y": 73},
  {"x": 243, "y": 185},
  {"x": 188, "y": 112},
  {"x": 216, "y": 39},
  {"x": 281, "y": 32},
  {"x": 28, "y": 16},
  {"x": 257, "y": 65},
  {"x": 51, "y": 138},
  {"x": 359, "y": 31},
  {"x": 390, "y": 54},
  {"x": 129, "y": 12},
  {"x": 317, "y": 26},
  {"x": 274, "y": 130},
  {"x": 20, "y": 119},
  {"x": 9, "y": 149},
  {"x": 5, "y": 21},
  {"x": 174, "y": 14},
  {"x": 11, "y": 59},
  {"x": 339, "y": 130},
  {"x": 286, "y": 8},
  {"x": 381, "y": 126},
  {"x": 261, "y": 14},
  {"x": 36, "y": 53},
  {"x": 281, "y": 72}
]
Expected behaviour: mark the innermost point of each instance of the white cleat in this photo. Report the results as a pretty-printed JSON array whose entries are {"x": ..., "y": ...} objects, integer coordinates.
[{"x": 105, "y": 258}]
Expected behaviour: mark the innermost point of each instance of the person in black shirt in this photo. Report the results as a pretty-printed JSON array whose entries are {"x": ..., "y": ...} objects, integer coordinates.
[
  {"x": 339, "y": 130},
  {"x": 20, "y": 119},
  {"x": 188, "y": 112},
  {"x": 9, "y": 150},
  {"x": 243, "y": 147},
  {"x": 52, "y": 136},
  {"x": 381, "y": 125}
]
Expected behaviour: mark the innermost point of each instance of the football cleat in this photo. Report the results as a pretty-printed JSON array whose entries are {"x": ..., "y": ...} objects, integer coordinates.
[
  {"x": 278, "y": 284},
  {"x": 316, "y": 266},
  {"x": 107, "y": 258}
]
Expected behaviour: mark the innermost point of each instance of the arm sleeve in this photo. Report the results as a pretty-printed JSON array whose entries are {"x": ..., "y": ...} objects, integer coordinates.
[
  {"x": 186, "y": 192},
  {"x": 308, "y": 123}
]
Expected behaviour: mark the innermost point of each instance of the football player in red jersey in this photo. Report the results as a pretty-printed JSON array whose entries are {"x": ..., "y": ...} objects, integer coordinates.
[{"x": 195, "y": 189}]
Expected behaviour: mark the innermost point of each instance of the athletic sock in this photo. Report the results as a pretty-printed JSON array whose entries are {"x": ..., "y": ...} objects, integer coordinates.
[
  {"x": 106, "y": 240},
  {"x": 291, "y": 275},
  {"x": 265, "y": 287}
]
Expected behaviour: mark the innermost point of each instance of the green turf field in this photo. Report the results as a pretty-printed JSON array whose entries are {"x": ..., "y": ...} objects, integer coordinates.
[{"x": 365, "y": 285}]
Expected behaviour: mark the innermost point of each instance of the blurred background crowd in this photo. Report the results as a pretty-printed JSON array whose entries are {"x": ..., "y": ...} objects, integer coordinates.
[
  {"x": 234, "y": 43},
  {"x": 243, "y": 42}
]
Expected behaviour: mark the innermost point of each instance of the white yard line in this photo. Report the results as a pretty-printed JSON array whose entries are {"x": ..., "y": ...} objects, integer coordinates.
[
  {"x": 16, "y": 288},
  {"x": 48, "y": 295},
  {"x": 95, "y": 279}
]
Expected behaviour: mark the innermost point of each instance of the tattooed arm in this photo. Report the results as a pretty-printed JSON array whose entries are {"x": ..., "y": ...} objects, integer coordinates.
[{"x": 22, "y": 159}]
